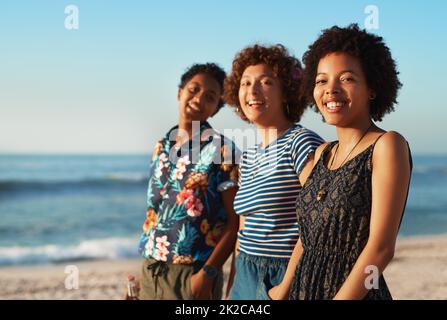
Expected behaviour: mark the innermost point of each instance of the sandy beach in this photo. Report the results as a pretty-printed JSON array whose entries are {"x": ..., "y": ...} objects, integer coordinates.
[{"x": 418, "y": 271}]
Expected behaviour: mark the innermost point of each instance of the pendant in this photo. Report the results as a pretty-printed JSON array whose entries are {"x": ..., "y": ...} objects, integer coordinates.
[{"x": 321, "y": 195}]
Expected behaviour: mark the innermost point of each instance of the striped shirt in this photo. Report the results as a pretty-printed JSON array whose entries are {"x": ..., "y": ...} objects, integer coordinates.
[{"x": 268, "y": 188}]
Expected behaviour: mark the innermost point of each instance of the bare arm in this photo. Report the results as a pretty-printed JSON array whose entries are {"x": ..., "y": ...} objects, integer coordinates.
[
  {"x": 281, "y": 291},
  {"x": 233, "y": 260},
  {"x": 201, "y": 286},
  {"x": 390, "y": 179},
  {"x": 227, "y": 241}
]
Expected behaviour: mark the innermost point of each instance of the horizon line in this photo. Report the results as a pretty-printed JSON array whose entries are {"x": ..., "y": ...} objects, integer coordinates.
[{"x": 140, "y": 153}]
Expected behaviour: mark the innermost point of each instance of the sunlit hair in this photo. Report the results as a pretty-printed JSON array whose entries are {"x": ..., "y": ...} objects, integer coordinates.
[{"x": 286, "y": 67}]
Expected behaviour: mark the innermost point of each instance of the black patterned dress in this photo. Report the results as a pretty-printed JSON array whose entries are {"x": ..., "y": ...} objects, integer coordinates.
[{"x": 334, "y": 211}]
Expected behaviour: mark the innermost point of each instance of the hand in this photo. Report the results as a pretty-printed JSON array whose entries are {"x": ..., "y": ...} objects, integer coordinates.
[
  {"x": 201, "y": 286},
  {"x": 278, "y": 293}
]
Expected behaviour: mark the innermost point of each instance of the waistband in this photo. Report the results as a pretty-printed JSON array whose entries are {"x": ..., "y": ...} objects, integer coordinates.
[
  {"x": 263, "y": 260},
  {"x": 159, "y": 267}
]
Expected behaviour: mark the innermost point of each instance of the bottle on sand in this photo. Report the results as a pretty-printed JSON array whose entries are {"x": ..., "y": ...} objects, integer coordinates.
[{"x": 132, "y": 293}]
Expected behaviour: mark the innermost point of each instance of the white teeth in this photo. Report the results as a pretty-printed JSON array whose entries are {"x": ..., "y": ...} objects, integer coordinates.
[
  {"x": 252, "y": 102},
  {"x": 193, "y": 106},
  {"x": 334, "y": 104}
]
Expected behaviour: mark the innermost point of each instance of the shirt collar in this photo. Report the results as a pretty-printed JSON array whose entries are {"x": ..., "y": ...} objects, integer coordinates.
[{"x": 203, "y": 126}]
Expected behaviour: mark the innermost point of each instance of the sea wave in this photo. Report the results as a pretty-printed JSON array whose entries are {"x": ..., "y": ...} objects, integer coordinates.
[
  {"x": 430, "y": 170},
  {"x": 108, "y": 248},
  {"x": 104, "y": 181}
]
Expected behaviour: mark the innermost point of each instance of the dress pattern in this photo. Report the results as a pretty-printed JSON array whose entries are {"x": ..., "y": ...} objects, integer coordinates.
[{"x": 335, "y": 228}]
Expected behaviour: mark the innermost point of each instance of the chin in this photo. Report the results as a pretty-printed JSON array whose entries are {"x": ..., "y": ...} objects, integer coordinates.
[
  {"x": 252, "y": 118},
  {"x": 333, "y": 121},
  {"x": 194, "y": 117}
]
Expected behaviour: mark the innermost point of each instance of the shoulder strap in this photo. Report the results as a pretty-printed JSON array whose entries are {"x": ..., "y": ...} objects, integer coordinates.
[
  {"x": 374, "y": 143},
  {"x": 372, "y": 146},
  {"x": 326, "y": 149},
  {"x": 409, "y": 152}
]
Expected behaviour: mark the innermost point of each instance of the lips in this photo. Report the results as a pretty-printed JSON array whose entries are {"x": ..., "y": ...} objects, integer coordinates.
[
  {"x": 192, "y": 107},
  {"x": 334, "y": 106},
  {"x": 255, "y": 103}
]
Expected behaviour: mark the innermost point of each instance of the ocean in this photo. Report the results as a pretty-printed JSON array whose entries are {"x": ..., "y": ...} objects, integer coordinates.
[{"x": 58, "y": 208}]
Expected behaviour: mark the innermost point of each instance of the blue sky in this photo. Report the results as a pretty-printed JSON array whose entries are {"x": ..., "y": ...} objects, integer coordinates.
[{"x": 110, "y": 87}]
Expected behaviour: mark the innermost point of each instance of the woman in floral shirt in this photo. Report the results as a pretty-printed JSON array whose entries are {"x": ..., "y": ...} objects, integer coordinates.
[{"x": 191, "y": 227}]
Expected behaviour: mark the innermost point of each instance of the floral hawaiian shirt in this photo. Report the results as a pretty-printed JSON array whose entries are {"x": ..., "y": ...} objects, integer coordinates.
[{"x": 185, "y": 216}]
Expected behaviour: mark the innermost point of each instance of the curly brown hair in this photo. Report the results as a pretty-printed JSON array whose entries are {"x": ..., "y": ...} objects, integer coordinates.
[
  {"x": 375, "y": 59},
  {"x": 286, "y": 67}
]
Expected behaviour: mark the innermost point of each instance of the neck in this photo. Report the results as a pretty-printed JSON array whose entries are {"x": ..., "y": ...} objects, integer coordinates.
[
  {"x": 270, "y": 133},
  {"x": 349, "y": 136}
]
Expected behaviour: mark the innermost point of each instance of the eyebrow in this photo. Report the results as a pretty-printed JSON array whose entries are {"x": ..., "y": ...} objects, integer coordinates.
[{"x": 344, "y": 71}]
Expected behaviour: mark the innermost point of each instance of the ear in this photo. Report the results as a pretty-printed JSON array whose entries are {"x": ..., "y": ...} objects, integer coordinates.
[
  {"x": 372, "y": 94},
  {"x": 179, "y": 93}
]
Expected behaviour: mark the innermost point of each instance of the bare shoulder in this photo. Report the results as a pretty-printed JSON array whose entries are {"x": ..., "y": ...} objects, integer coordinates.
[
  {"x": 390, "y": 141},
  {"x": 319, "y": 151},
  {"x": 391, "y": 146}
]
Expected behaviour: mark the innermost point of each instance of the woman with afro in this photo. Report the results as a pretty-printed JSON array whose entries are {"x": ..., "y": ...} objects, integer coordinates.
[{"x": 353, "y": 198}]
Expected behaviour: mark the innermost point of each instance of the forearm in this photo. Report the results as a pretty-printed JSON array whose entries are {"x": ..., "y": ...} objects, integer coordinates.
[
  {"x": 232, "y": 272},
  {"x": 356, "y": 285},
  {"x": 202, "y": 283},
  {"x": 226, "y": 243},
  {"x": 233, "y": 262},
  {"x": 241, "y": 227},
  {"x": 224, "y": 247},
  {"x": 289, "y": 275}
]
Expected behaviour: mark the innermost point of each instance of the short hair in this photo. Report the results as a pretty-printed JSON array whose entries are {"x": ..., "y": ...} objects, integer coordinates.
[
  {"x": 375, "y": 59},
  {"x": 286, "y": 67},
  {"x": 210, "y": 69}
]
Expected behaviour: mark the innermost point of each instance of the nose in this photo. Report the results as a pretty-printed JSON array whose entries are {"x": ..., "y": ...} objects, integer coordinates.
[
  {"x": 198, "y": 97},
  {"x": 332, "y": 88},
  {"x": 254, "y": 88}
]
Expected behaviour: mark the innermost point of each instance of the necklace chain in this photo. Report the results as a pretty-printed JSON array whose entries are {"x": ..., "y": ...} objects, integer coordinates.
[{"x": 338, "y": 144}]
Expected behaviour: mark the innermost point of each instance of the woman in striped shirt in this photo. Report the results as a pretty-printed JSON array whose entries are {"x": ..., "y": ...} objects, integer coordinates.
[{"x": 264, "y": 89}]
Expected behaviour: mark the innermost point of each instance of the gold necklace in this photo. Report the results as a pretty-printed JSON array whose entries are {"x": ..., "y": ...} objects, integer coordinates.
[
  {"x": 338, "y": 144},
  {"x": 322, "y": 193}
]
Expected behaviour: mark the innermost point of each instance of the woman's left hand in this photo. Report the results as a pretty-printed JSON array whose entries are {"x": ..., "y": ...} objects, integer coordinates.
[{"x": 277, "y": 293}]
